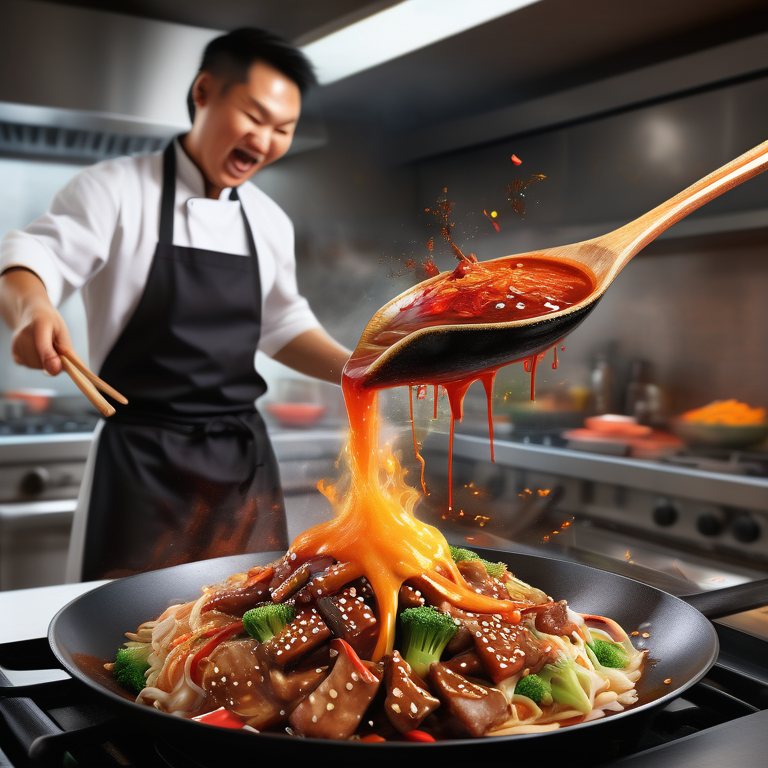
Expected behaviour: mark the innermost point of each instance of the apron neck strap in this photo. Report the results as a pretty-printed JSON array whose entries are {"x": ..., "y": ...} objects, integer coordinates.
[{"x": 168, "y": 198}]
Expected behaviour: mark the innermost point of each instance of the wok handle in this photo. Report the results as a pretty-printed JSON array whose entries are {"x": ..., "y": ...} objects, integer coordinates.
[
  {"x": 25, "y": 718},
  {"x": 724, "y": 602}
]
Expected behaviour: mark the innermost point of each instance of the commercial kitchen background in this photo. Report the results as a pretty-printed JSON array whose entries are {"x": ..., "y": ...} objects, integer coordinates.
[{"x": 620, "y": 106}]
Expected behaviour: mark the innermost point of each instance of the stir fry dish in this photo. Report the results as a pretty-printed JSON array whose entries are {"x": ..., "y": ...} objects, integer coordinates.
[{"x": 291, "y": 648}]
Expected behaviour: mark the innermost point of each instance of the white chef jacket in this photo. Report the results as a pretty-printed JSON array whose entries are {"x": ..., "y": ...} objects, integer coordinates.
[
  {"x": 100, "y": 235},
  {"x": 101, "y": 232}
]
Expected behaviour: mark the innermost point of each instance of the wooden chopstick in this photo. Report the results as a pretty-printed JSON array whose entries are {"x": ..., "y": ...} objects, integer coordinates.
[
  {"x": 75, "y": 359},
  {"x": 86, "y": 387}
]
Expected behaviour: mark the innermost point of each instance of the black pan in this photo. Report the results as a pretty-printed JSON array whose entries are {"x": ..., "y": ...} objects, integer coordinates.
[{"x": 683, "y": 646}]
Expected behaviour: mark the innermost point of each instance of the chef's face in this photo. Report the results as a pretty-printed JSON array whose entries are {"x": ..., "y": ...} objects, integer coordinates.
[{"x": 240, "y": 128}]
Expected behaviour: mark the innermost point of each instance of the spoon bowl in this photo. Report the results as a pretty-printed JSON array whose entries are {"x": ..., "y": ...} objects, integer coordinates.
[{"x": 443, "y": 353}]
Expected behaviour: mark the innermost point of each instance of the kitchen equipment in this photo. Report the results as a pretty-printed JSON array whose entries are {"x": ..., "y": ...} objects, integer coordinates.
[
  {"x": 622, "y": 436},
  {"x": 443, "y": 353},
  {"x": 89, "y": 383},
  {"x": 12, "y": 408},
  {"x": 296, "y": 414},
  {"x": 35, "y": 400},
  {"x": 643, "y": 397},
  {"x": 602, "y": 385},
  {"x": 616, "y": 424},
  {"x": 720, "y": 435},
  {"x": 683, "y": 645}
]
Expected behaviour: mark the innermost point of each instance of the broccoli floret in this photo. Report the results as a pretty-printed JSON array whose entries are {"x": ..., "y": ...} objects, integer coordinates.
[
  {"x": 266, "y": 621},
  {"x": 535, "y": 688},
  {"x": 610, "y": 655},
  {"x": 461, "y": 555},
  {"x": 131, "y": 665},
  {"x": 426, "y": 632},
  {"x": 497, "y": 570},
  {"x": 566, "y": 676}
]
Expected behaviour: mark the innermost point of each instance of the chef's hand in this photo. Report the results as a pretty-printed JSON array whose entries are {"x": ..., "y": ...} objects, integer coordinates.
[{"x": 39, "y": 329}]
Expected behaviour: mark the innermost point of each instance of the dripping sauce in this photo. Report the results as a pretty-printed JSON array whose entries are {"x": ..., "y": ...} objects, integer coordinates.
[{"x": 374, "y": 528}]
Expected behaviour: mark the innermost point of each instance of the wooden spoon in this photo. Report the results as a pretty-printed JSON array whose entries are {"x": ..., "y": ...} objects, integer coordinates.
[{"x": 449, "y": 352}]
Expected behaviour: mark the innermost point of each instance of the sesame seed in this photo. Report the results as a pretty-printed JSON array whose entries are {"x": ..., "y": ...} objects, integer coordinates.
[
  {"x": 396, "y": 708},
  {"x": 329, "y": 706},
  {"x": 349, "y": 686},
  {"x": 332, "y": 693}
]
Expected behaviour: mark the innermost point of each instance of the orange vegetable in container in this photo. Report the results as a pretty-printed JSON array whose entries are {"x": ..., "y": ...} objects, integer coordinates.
[{"x": 729, "y": 412}]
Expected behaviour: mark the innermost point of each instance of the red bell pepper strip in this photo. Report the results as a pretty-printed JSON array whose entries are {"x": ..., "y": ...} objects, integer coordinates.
[
  {"x": 373, "y": 738},
  {"x": 337, "y": 644},
  {"x": 418, "y": 736},
  {"x": 219, "y": 637},
  {"x": 222, "y": 718}
]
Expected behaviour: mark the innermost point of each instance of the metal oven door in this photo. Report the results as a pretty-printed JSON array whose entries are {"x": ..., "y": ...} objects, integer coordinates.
[{"x": 34, "y": 539}]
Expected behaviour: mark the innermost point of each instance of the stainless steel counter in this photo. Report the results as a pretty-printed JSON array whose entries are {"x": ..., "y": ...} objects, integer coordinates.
[{"x": 639, "y": 474}]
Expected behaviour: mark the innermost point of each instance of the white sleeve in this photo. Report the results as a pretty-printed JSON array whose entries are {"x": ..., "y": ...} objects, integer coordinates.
[
  {"x": 70, "y": 243},
  {"x": 286, "y": 311}
]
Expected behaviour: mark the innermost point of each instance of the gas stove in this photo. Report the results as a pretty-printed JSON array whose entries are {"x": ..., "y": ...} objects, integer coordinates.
[{"x": 47, "y": 718}]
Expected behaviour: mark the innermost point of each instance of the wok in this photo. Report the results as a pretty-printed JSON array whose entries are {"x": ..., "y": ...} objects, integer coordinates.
[{"x": 683, "y": 646}]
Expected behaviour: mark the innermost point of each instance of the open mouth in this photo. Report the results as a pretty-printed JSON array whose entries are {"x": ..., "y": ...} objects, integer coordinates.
[{"x": 242, "y": 161}]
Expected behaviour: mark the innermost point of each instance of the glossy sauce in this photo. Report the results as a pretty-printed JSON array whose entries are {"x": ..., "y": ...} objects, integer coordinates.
[
  {"x": 491, "y": 292},
  {"x": 374, "y": 527}
]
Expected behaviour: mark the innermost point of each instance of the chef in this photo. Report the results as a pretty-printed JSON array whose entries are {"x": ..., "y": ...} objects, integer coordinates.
[{"x": 185, "y": 272}]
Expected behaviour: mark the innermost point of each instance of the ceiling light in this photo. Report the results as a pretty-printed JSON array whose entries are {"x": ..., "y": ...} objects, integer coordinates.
[{"x": 398, "y": 30}]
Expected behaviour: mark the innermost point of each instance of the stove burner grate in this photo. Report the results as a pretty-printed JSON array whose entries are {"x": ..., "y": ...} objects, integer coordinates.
[{"x": 48, "y": 424}]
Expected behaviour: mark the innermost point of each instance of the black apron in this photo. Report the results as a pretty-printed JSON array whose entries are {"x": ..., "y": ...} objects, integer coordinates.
[{"x": 185, "y": 471}]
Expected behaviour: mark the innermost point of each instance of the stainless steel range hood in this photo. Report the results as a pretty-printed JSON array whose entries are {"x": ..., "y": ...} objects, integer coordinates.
[{"x": 82, "y": 85}]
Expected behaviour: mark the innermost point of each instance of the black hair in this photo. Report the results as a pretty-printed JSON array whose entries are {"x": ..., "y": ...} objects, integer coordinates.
[{"x": 232, "y": 55}]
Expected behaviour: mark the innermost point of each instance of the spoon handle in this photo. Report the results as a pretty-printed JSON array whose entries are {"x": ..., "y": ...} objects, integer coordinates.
[{"x": 634, "y": 236}]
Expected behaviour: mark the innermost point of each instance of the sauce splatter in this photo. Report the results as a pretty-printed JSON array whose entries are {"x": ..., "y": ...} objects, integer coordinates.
[{"x": 492, "y": 218}]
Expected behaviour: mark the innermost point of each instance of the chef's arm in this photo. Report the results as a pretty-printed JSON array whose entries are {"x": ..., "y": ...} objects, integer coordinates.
[
  {"x": 35, "y": 322},
  {"x": 315, "y": 353}
]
